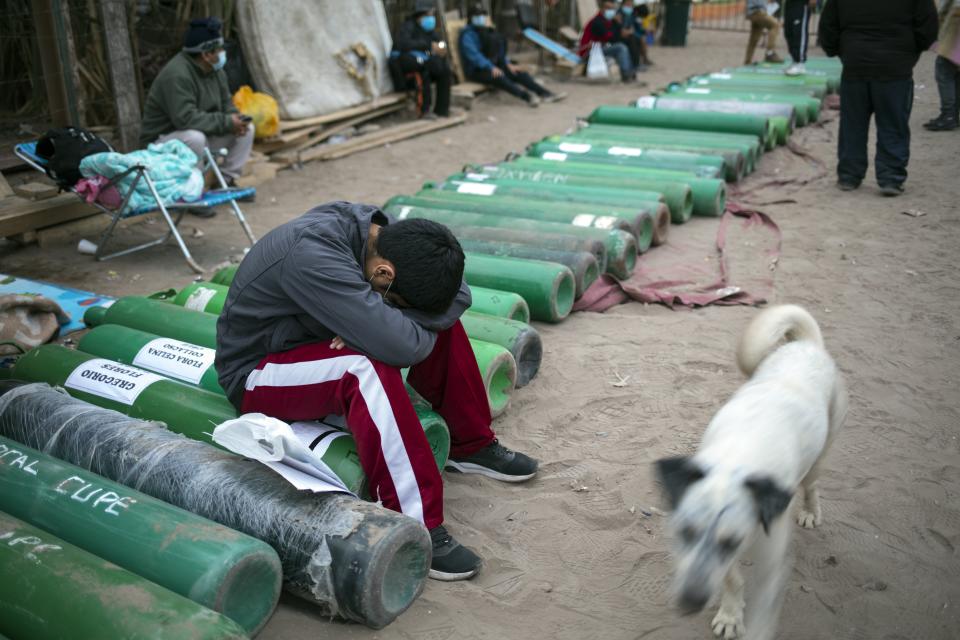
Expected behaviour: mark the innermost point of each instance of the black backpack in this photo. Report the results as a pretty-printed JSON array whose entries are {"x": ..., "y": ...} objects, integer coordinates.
[{"x": 64, "y": 148}]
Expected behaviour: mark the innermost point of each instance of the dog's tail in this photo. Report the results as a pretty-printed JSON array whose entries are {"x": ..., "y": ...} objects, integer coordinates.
[{"x": 785, "y": 322}]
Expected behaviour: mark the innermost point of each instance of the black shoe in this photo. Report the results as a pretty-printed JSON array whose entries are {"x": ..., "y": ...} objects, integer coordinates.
[
  {"x": 942, "y": 123},
  {"x": 847, "y": 186},
  {"x": 451, "y": 560},
  {"x": 891, "y": 190},
  {"x": 553, "y": 97},
  {"x": 202, "y": 212},
  {"x": 497, "y": 462}
]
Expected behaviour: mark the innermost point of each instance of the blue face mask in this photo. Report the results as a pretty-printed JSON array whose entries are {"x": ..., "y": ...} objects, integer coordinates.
[
  {"x": 627, "y": 11},
  {"x": 428, "y": 23},
  {"x": 609, "y": 14},
  {"x": 221, "y": 61},
  {"x": 479, "y": 21}
]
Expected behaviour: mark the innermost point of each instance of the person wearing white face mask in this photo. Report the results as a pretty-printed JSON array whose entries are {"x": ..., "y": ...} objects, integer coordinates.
[
  {"x": 605, "y": 28},
  {"x": 418, "y": 49},
  {"x": 484, "y": 55},
  {"x": 633, "y": 34},
  {"x": 190, "y": 101}
]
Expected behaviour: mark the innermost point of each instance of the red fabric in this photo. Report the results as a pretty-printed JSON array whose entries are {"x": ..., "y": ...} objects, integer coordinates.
[
  {"x": 588, "y": 38},
  {"x": 694, "y": 274},
  {"x": 448, "y": 378}
]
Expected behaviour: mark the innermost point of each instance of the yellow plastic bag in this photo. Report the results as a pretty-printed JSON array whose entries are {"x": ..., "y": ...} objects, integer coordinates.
[{"x": 262, "y": 108}]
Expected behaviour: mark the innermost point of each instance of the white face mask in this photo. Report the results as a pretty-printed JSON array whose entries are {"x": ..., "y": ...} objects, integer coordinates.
[
  {"x": 609, "y": 13},
  {"x": 221, "y": 61},
  {"x": 479, "y": 21}
]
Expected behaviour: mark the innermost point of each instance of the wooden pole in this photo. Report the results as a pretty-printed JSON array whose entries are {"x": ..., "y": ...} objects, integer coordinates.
[
  {"x": 123, "y": 76},
  {"x": 55, "y": 62}
]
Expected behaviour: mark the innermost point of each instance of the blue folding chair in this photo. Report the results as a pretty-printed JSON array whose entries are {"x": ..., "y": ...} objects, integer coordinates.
[{"x": 27, "y": 151}]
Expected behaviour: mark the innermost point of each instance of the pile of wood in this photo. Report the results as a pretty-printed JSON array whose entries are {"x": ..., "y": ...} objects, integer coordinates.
[{"x": 309, "y": 139}]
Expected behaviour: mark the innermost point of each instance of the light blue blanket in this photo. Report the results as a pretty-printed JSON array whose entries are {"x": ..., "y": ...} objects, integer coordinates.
[{"x": 171, "y": 165}]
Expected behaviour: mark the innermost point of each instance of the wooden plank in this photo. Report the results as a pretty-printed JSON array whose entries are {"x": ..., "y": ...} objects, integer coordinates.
[
  {"x": 20, "y": 216},
  {"x": 382, "y": 101},
  {"x": 5, "y": 189},
  {"x": 387, "y": 136},
  {"x": 123, "y": 77},
  {"x": 469, "y": 89},
  {"x": 36, "y": 190},
  {"x": 292, "y": 156}
]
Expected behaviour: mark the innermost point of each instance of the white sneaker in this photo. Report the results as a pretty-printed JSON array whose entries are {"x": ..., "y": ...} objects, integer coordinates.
[{"x": 796, "y": 69}]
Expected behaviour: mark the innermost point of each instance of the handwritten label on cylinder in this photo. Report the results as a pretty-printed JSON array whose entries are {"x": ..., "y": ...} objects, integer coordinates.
[
  {"x": 110, "y": 380},
  {"x": 175, "y": 358}
]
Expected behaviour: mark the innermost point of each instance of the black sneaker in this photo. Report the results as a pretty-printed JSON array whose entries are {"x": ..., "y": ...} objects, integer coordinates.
[
  {"x": 497, "y": 462},
  {"x": 847, "y": 186},
  {"x": 942, "y": 123},
  {"x": 891, "y": 190},
  {"x": 451, "y": 560},
  {"x": 202, "y": 212}
]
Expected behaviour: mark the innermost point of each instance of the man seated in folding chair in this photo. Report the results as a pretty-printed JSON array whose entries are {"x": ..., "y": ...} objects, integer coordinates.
[{"x": 190, "y": 101}]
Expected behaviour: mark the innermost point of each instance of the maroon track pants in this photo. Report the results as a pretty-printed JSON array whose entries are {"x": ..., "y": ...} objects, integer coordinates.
[{"x": 315, "y": 380}]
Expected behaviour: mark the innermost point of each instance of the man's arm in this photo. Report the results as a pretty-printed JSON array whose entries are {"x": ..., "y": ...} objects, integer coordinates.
[
  {"x": 225, "y": 98},
  {"x": 829, "y": 29},
  {"x": 470, "y": 50},
  {"x": 445, "y": 320},
  {"x": 180, "y": 103},
  {"x": 322, "y": 276},
  {"x": 926, "y": 24}
]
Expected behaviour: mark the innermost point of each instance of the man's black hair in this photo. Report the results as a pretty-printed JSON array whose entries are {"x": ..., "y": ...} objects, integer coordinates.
[
  {"x": 428, "y": 263},
  {"x": 476, "y": 9}
]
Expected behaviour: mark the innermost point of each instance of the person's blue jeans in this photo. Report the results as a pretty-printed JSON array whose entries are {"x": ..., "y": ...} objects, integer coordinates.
[
  {"x": 621, "y": 53},
  {"x": 890, "y": 103},
  {"x": 947, "y": 75}
]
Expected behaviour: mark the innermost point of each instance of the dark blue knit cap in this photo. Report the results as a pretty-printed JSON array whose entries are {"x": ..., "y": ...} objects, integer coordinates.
[{"x": 203, "y": 34}]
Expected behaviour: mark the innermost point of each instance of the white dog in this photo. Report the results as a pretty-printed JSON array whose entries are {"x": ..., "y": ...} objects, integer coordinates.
[{"x": 764, "y": 444}]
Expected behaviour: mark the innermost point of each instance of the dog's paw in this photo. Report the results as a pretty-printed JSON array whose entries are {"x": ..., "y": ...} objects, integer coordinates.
[
  {"x": 808, "y": 519},
  {"x": 728, "y": 626}
]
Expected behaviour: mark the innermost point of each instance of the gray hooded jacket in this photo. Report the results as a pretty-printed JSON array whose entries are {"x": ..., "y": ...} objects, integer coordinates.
[{"x": 303, "y": 282}]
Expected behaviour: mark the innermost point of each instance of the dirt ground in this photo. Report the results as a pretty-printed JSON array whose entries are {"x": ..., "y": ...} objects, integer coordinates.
[{"x": 565, "y": 563}]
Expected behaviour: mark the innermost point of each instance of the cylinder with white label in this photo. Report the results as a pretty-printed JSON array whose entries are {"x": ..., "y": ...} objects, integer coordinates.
[
  {"x": 202, "y": 296},
  {"x": 183, "y": 361},
  {"x": 51, "y": 589},
  {"x": 217, "y": 567}
]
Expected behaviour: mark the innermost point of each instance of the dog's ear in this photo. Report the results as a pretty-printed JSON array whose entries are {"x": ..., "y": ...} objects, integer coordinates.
[
  {"x": 771, "y": 500},
  {"x": 677, "y": 474}
]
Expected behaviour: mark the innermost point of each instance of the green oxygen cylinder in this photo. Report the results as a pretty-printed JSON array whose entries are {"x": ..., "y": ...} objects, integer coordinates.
[
  {"x": 203, "y": 296},
  {"x": 216, "y": 567},
  {"x": 547, "y": 287},
  {"x": 139, "y": 393},
  {"x": 499, "y": 372},
  {"x": 668, "y": 102},
  {"x": 225, "y": 275},
  {"x": 807, "y": 107},
  {"x": 598, "y": 215},
  {"x": 183, "y": 361},
  {"x": 503, "y": 304},
  {"x": 690, "y": 121},
  {"x": 752, "y": 83},
  {"x": 680, "y": 204},
  {"x": 621, "y": 246},
  {"x": 50, "y": 590},
  {"x": 582, "y": 264},
  {"x": 154, "y": 316},
  {"x": 732, "y": 162},
  {"x": 811, "y": 77},
  {"x": 520, "y": 339},
  {"x": 706, "y": 166},
  {"x": 709, "y": 195}
]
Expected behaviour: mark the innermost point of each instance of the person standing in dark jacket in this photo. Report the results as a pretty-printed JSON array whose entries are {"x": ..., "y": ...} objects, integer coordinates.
[
  {"x": 420, "y": 49},
  {"x": 323, "y": 313},
  {"x": 879, "y": 43},
  {"x": 484, "y": 55}
]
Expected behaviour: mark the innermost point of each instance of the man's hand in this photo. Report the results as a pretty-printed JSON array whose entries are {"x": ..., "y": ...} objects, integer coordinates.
[
  {"x": 512, "y": 68},
  {"x": 337, "y": 343},
  {"x": 628, "y": 31},
  {"x": 239, "y": 125},
  {"x": 439, "y": 48},
  {"x": 496, "y": 72}
]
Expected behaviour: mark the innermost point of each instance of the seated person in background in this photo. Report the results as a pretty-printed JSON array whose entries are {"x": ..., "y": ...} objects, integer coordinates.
[
  {"x": 605, "y": 29},
  {"x": 483, "y": 52},
  {"x": 633, "y": 34},
  {"x": 324, "y": 312},
  {"x": 190, "y": 101},
  {"x": 420, "y": 50}
]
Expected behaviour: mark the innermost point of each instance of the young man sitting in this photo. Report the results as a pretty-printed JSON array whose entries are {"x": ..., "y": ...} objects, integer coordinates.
[
  {"x": 324, "y": 312},
  {"x": 605, "y": 28},
  {"x": 484, "y": 55}
]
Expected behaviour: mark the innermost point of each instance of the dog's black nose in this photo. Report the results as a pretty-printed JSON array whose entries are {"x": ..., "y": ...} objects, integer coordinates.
[{"x": 693, "y": 601}]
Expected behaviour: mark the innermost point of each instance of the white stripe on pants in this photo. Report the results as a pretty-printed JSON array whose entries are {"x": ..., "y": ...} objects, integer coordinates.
[{"x": 374, "y": 396}]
